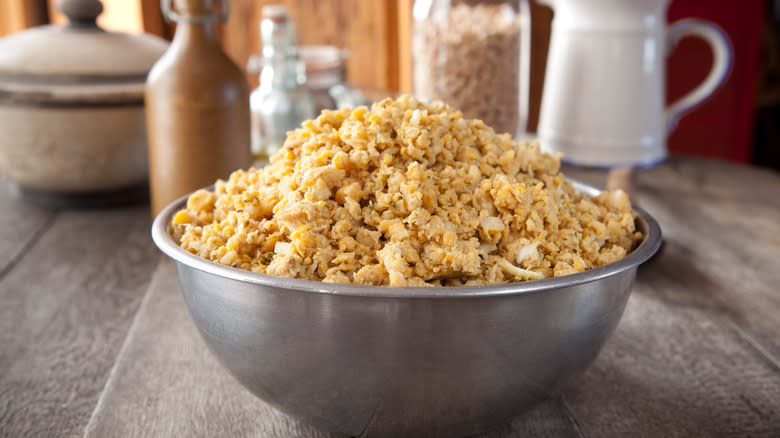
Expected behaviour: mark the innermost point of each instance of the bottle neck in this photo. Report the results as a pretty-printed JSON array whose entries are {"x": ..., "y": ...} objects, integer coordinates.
[{"x": 196, "y": 33}]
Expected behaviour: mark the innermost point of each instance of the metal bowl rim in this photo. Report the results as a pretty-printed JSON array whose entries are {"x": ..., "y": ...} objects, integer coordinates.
[{"x": 646, "y": 249}]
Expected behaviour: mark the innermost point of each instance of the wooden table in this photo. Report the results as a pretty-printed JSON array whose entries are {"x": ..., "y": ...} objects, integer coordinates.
[{"x": 95, "y": 338}]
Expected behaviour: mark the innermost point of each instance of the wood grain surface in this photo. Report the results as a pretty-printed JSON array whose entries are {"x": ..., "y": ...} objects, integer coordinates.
[
  {"x": 21, "y": 225},
  {"x": 67, "y": 303},
  {"x": 697, "y": 352}
]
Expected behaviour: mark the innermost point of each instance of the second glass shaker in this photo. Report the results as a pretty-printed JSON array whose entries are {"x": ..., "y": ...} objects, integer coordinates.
[{"x": 282, "y": 101}]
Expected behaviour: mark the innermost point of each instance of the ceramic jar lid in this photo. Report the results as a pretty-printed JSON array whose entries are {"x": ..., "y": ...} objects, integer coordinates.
[{"x": 78, "y": 62}]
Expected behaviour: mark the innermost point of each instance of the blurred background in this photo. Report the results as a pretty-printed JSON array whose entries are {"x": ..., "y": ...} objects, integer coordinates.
[{"x": 740, "y": 123}]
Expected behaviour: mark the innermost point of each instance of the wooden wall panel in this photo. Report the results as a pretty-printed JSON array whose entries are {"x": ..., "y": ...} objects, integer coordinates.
[
  {"x": 541, "y": 26},
  {"x": 401, "y": 75},
  {"x": 18, "y": 15},
  {"x": 153, "y": 21}
]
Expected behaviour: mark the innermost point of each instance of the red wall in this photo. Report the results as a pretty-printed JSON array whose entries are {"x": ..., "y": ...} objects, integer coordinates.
[{"x": 722, "y": 127}]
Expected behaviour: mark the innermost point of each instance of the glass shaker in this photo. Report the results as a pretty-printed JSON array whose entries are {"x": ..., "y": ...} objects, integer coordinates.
[
  {"x": 474, "y": 56},
  {"x": 282, "y": 101}
]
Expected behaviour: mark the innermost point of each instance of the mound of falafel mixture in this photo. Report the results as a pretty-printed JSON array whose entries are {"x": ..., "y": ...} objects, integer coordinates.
[{"x": 406, "y": 194}]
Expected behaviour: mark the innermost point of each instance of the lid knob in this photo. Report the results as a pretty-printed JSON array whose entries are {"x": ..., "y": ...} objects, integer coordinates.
[{"x": 81, "y": 13}]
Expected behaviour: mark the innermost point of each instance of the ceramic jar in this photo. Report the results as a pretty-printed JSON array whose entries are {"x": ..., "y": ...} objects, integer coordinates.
[
  {"x": 72, "y": 104},
  {"x": 197, "y": 106}
]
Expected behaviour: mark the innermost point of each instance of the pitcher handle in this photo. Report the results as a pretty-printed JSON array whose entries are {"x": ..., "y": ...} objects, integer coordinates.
[{"x": 722, "y": 60}]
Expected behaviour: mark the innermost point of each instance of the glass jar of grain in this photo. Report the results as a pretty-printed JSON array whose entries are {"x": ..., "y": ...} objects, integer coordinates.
[{"x": 474, "y": 55}]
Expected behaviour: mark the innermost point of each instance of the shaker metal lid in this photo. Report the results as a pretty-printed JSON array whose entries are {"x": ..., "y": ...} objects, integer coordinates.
[{"x": 76, "y": 62}]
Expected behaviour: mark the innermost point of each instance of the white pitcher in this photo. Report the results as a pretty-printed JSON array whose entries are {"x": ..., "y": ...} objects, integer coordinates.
[{"x": 604, "y": 91}]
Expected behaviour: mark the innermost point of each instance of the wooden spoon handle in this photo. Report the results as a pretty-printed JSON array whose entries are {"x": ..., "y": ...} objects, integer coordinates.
[{"x": 622, "y": 178}]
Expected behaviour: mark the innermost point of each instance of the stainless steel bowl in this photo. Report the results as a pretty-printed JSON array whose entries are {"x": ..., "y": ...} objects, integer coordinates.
[{"x": 384, "y": 361}]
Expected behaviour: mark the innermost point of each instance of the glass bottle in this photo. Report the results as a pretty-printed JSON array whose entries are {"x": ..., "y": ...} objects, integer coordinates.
[
  {"x": 197, "y": 107},
  {"x": 282, "y": 101},
  {"x": 474, "y": 55}
]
